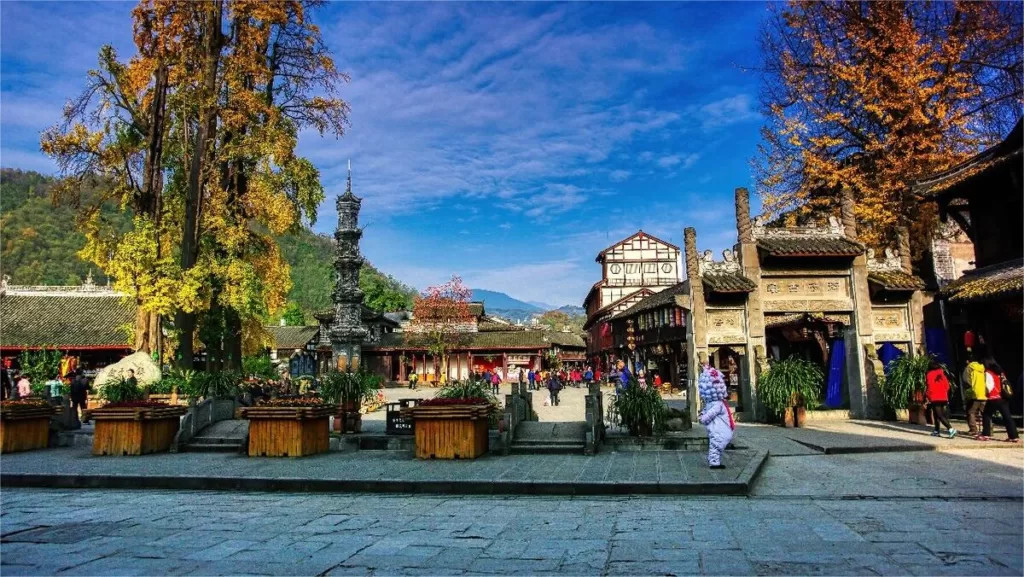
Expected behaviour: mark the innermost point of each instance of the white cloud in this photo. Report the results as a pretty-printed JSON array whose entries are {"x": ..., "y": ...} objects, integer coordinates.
[
  {"x": 619, "y": 175},
  {"x": 726, "y": 111}
]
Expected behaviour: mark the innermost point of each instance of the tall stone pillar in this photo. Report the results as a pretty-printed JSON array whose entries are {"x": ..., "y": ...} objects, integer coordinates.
[
  {"x": 862, "y": 365},
  {"x": 697, "y": 333},
  {"x": 347, "y": 332},
  {"x": 917, "y": 299},
  {"x": 756, "y": 356}
]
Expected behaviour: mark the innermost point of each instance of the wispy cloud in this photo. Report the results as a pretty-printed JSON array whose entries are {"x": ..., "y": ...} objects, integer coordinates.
[{"x": 727, "y": 111}]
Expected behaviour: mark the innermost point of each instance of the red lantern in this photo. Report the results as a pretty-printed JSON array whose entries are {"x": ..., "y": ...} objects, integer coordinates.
[{"x": 969, "y": 340}]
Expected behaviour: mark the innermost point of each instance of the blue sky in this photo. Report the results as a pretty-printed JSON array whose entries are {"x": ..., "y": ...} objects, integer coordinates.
[{"x": 507, "y": 143}]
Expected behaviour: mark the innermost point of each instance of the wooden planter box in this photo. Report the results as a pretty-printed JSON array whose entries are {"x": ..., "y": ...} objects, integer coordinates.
[
  {"x": 288, "y": 431},
  {"x": 449, "y": 431},
  {"x": 134, "y": 430},
  {"x": 25, "y": 429}
]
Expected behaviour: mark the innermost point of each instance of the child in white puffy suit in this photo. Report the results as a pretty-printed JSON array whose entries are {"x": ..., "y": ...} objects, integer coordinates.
[{"x": 715, "y": 414}]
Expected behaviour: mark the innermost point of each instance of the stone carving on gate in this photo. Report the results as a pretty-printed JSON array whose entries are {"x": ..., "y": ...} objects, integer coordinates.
[
  {"x": 726, "y": 326},
  {"x": 890, "y": 325},
  {"x": 833, "y": 229},
  {"x": 826, "y": 287},
  {"x": 807, "y": 305},
  {"x": 890, "y": 262},
  {"x": 727, "y": 265}
]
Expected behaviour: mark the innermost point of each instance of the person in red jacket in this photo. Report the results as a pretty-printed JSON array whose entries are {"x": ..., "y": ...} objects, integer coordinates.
[
  {"x": 937, "y": 394},
  {"x": 996, "y": 401}
]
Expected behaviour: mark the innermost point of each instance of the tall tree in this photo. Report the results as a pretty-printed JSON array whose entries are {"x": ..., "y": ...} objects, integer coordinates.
[
  {"x": 873, "y": 95},
  {"x": 442, "y": 319}
]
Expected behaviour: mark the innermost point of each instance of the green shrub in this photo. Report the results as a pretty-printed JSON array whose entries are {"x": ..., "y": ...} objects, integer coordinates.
[
  {"x": 641, "y": 409},
  {"x": 906, "y": 376},
  {"x": 259, "y": 366},
  {"x": 120, "y": 390},
  {"x": 161, "y": 387},
  {"x": 786, "y": 378},
  {"x": 468, "y": 389}
]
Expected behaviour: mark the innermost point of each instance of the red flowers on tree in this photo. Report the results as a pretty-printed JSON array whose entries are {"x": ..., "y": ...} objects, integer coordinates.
[{"x": 442, "y": 319}]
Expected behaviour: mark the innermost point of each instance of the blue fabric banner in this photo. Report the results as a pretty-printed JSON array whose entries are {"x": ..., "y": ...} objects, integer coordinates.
[
  {"x": 888, "y": 353},
  {"x": 836, "y": 368}
]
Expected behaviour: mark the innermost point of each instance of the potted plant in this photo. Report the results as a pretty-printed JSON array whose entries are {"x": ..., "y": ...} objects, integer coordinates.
[
  {"x": 289, "y": 427},
  {"x": 130, "y": 425},
  {"x": 641, "y": 409},
  {"x": 347, "y": 390},
  {"x": 904, "y": 384},
  {"x": 787, "y": 387},
  {"x": 25, "y": 424},
  {"x": 453, "y": 425}
]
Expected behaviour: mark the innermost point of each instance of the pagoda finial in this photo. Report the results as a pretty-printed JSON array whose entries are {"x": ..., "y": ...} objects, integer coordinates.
[{"x": 348, "y": 186}]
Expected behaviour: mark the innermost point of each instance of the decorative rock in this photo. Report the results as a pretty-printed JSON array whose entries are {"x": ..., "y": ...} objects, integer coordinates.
[{"x": 146, "y": 370}]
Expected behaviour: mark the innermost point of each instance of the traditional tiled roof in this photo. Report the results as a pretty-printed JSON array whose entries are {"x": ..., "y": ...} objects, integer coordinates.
[
  {"x": 727, "y": 283},
  {"x": 66, "y": 321},
  {"x": 809, "y": 246},
  {"x": 989, "y": 283},
  {"x": 476, "y": 309},
  {"x": 489, "y": 325},
  {"x": 895, "y": 280},
  {"x": 636, "y": 234},
  {"x": 490, "y": 340},
  {"x": 1006, "y": 152},
  {"x": 657, "y": 300},
  {"x": 292, "y": 337},
  {"x": 606, "y": 312}
]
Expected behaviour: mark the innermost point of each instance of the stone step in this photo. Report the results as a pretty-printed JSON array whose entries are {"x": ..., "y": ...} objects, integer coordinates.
[
  {"x": 552, "y": 441},
  {"x": 212, "y": 448},
  {"x": 547, "y": 449},
  {"x": 218, "y": 440}
]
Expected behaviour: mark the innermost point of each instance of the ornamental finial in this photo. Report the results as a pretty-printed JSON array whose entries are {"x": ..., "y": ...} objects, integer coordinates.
[{"x": 348, "y": 186}]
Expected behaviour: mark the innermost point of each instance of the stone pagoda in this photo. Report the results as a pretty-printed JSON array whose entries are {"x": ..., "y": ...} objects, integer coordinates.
[{"x": 347, "y": 332}]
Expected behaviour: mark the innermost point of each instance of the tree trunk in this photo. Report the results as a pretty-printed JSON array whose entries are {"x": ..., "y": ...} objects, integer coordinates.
[
  {"x": 232, "y": 341},
  {"x": 186, "y": 322}
]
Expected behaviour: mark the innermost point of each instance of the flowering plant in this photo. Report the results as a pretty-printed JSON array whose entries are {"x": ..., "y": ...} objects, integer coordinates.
[
  {"x": 24, "y": 403},
  {"x": 295, "y": 402},
  {"x": 130, "y": 404},
  {"x": 441, "y": 401}
]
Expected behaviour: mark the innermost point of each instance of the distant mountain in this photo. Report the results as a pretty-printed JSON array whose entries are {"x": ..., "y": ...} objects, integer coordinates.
[
  {"x": 501, "y": 305},
  {"x": 572, "y": 310},
  {"x": 542, "y": 306}
]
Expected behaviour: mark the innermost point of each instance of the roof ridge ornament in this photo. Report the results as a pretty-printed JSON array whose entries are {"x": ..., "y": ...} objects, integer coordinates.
[{"x": 889, "y": 263}]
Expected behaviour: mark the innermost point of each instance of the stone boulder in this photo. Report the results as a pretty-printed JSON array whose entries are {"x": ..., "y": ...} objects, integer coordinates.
[{"x": 146, "y": 370}]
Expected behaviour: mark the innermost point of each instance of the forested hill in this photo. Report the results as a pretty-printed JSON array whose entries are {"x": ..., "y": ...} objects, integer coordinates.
[{"x": 39, "y": 245}]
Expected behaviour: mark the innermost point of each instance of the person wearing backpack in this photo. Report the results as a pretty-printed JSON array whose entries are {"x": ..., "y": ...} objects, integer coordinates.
[
  {"x": 937, "y": 394},
  {"x": 995, "y": 381},
  {"x": 975, "y": 395}
]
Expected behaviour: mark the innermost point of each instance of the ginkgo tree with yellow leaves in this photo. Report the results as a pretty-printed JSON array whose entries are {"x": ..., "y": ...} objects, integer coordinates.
[
  {"x": 198, "y": 132},
  {"x": 873, "y": 95}
]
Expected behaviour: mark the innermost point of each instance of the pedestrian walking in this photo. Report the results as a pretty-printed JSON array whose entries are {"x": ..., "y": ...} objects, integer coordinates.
[
  {"x": 80, "y": 389},
  {"x": 496, "y": 383},
  {"x": 975, "y": 394},
  {"x": 995, "y": 383},
  {"x": 937, "y": 394},
  {"x": 522, "y": 377},
  {"x": 6, "y": 383},
  {"x": 588, "y": 376},
  {"x": 554, "y": 386},
  {"x": 532, "y": 378},
  {"x": 24, "y": 387},
  {"x": 413, "y": 379}
]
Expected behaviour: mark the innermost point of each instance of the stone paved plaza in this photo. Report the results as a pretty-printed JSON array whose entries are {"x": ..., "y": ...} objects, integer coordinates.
[{"x": 918, "y": 513}]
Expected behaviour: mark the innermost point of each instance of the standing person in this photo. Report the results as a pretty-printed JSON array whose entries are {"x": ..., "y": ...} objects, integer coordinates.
[
  {"x": 522, "y": 377},
  {"x": 937, "y": 395},
  {"x": 715, "y": 414},
  {"x": 975, "y": 394},
  {"x": 532, "y": 378},
  {"x": 487, "y": 376},
  {"x": 554, "y": 386},
  {"x": 496, "y": 382},
  {"x": 413, "y": 378},
  {"x": 995, "y": 381},
  {"x": 588, "y": 376},
  {"x": 641, "y": 378},
  {"x": 24, "y": 387},
  {"x": 624, "y": 374},
  {"x": 80, "y": 389},
  {"x": 131, "y": 378},
  {"x": 6, "y": 384}
]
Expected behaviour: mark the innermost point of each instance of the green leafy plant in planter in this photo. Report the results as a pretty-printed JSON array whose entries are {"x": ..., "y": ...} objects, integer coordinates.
[
  {"x": 788, "y": 383},
  {"x": 161, "y": 387},
  {"x": 121, "y": 390},
  {"x": 259, "y": 366},
  {"x": 468, "y": 389},
  {"x": 904, "y": 385},
  {"x": 641, "y": 409},
  {"x": 348, "y": 388}
]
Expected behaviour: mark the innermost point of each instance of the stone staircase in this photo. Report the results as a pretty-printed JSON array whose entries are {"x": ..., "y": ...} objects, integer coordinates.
[
  {"x": 546, "y": 438},
  {"x": 220, "y": 437}
]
